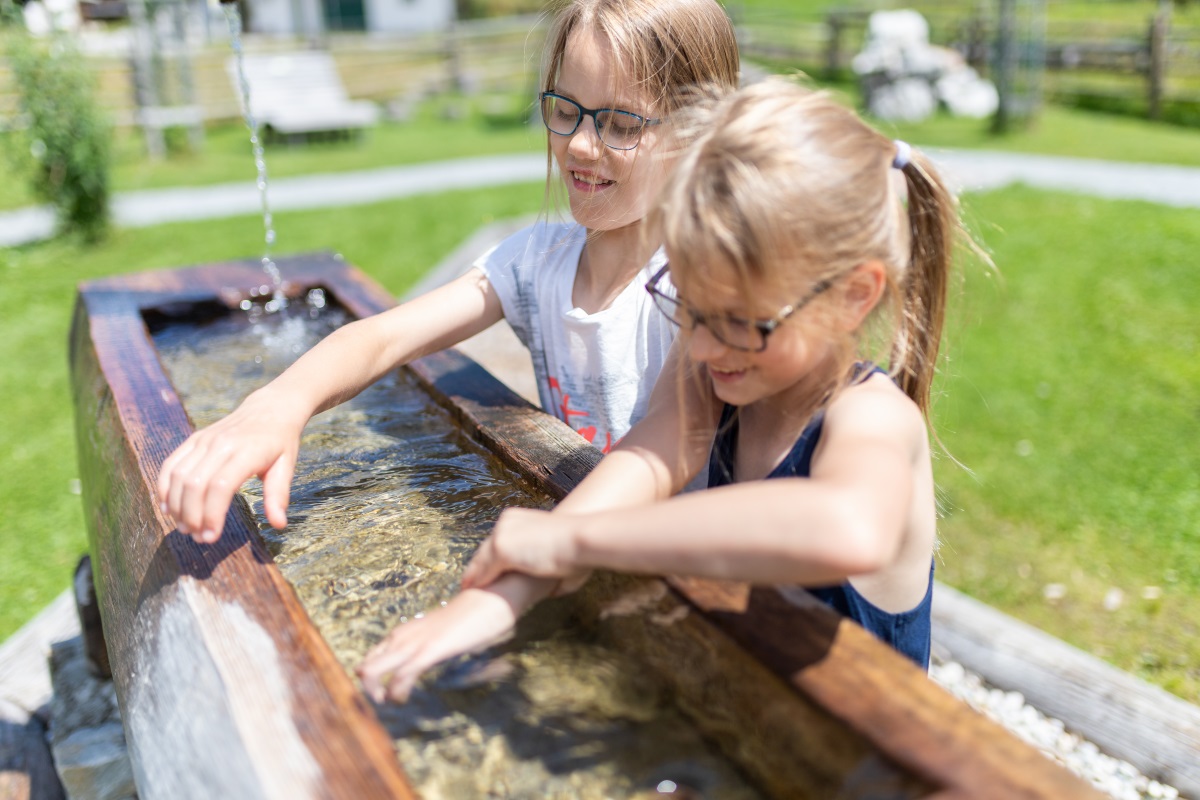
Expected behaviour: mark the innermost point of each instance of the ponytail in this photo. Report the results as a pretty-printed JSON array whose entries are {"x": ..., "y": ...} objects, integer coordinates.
[{"x": 933, "y": 226}]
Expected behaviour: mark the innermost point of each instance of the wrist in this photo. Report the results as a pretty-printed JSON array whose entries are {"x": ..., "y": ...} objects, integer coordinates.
[
  {"x": 291, "y": 407},
  {"x": 577, "y": 551}
]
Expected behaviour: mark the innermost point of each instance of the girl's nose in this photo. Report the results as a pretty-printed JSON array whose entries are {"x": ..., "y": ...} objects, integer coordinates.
[
  {"x": 585, "y": 142},
  {"x": 703, "y": 346}
]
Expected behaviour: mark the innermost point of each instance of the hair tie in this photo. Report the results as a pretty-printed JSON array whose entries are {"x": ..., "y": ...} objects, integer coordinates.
[{"x": 903, "y": 154}]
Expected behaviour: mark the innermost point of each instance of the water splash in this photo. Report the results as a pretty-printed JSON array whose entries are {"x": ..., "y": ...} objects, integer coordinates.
[{"x": 278, "y": 300}]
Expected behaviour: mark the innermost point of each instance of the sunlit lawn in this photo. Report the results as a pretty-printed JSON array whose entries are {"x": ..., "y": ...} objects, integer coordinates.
[
  {"x": 226, "y": 154},
  {"x": 1073, "y": 393},
  {"x": 1068, "y": 132}
]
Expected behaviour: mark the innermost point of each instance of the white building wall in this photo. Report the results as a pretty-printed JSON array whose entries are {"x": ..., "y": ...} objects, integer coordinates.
[
  {"x": 408, "y": 16},
  {"x": 286, "y": 17}
]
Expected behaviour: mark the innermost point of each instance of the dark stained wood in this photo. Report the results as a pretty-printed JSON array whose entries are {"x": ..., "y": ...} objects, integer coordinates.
[
  {"x": 217, "y": 630},
  {"x": 90, "y": 625},
  {"x": 225, "y": 687},
  {"x": 791, "y": 746}
]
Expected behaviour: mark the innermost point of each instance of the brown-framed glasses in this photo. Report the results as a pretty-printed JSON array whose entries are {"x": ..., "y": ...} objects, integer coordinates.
[{"x": 749, "y": 335}]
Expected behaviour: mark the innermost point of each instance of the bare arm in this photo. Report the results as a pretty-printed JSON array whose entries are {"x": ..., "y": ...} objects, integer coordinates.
[
  {"x": 848, "y": 519},
  {"x": 649, "y": 464},
  {"x": 656, "y": 459},
  {"x": 661, "y": 453},
  {"x": 261, "y": 437}
]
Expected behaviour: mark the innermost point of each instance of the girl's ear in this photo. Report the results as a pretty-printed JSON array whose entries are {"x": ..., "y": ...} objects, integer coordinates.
[{"x": 864, "y": 286}]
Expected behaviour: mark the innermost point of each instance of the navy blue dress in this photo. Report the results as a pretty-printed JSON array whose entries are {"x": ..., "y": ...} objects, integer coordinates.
[{"x": 908, "y": 631}]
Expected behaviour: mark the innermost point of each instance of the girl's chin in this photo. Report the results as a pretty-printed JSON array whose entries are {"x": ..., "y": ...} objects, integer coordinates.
[
  {"x": 731, "y": 388},
  {"x": 597, "y": 213}
]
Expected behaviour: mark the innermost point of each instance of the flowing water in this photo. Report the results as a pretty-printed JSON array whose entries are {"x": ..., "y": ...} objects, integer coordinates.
[
  {"x": 277, "y": 299},
  {"x": 389, "y": 502}
]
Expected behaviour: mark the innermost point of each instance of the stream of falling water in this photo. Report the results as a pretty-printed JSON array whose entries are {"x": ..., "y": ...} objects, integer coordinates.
[{"x": 278, "y": 301}]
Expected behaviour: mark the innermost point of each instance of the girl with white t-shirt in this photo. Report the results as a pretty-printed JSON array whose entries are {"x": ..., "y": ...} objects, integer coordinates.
[{"x": 614, "y": 70}]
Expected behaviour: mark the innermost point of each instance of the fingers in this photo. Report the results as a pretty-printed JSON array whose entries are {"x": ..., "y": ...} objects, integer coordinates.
[
  {"x": 202, "y": 487},
  {"x": 198, "y": 481},
  {"x": 571, "y": 583},
  {"x": 390, "y": 669},
  {"x": 167, "y": 470},
  {"x": 277, "y": 487},
  {"x": 483, "y": 567}
]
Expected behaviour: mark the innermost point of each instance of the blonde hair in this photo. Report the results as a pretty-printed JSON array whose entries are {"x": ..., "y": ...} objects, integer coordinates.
[
  {"x": 784, "y": 186},
  {"x": 662, "y": 48}
]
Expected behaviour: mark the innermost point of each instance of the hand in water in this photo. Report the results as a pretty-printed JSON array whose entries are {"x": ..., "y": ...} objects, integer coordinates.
[
  {"x": 470, "y": 622},
  {"x": 528, "y": 541},
  {"x": 197, "y": 482}
]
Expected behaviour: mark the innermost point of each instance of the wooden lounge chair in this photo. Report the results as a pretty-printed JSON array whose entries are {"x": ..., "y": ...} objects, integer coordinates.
[{"x": 299, "y": 94}]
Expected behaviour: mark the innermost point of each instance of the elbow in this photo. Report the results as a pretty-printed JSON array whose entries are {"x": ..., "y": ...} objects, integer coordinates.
[{"x": 859, "y": 543}]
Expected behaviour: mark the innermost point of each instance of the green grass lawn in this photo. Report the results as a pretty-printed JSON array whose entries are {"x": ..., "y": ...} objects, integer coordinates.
[
  {"x": 1071, "y": 390},
  {"x": 1073, "y": 393},
  {"x": 226, "y": 155},
  {"x": 1064, "y": 132},
  {"x": 42, "y": 534}
]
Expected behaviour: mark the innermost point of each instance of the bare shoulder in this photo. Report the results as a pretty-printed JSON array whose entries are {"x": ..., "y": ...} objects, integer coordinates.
[{"x": 877, "y": 409}]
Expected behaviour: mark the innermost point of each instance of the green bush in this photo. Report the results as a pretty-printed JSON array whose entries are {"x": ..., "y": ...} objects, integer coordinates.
[{"x": 67, "y": 136}]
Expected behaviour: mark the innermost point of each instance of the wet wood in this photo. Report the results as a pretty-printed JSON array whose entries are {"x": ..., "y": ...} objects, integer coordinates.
[
  {"x": 226, "y": 689},
  {"x": 218, "y": 632},
  {"x": 843, "y": 670}
]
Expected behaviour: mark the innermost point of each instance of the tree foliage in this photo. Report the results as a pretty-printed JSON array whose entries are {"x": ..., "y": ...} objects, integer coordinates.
[{"x": 68, "y": 138}]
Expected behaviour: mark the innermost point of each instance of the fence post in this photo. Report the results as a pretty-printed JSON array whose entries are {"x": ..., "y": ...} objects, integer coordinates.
[
  {"x": 1159, "y": 26},
  {"x": 833, "y": 49},
  {"x": 977, "y": 46},
  {"x": 1005, "y": 74}
]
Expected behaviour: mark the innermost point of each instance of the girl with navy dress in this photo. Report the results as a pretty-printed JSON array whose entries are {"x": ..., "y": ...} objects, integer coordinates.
[{"x": 804, "y": 249}]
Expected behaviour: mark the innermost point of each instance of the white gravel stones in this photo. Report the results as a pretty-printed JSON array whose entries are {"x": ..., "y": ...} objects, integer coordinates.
[{"x": 1119, "y": 779}]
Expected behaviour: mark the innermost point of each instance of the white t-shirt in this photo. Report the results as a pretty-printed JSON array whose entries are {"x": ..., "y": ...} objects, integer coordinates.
[{"x": 594, "y": 371}]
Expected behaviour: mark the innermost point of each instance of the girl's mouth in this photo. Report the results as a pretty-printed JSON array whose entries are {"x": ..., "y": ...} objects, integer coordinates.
[
  {"x": 587, "y": 182},
  {"x": 720, "y": 375}
]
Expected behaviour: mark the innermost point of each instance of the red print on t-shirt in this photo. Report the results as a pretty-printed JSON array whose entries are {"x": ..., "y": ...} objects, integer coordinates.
[{"x": 566, "y": 413}]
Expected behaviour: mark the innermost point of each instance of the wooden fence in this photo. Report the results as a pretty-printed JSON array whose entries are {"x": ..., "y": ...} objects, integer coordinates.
[
  {"x": 498, "y": 55},
  {"x": 1145, "y": 65}
]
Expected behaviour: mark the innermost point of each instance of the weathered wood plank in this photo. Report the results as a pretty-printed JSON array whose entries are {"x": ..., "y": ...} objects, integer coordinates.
[
  {"x": 1150, "y": 728},
  {"x": 225, "y": 687}
]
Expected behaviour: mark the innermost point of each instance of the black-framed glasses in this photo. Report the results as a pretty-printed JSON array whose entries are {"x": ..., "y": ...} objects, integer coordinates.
[
  {"x": 620, "y": 130},
  {"x": 748, "y": 335}
]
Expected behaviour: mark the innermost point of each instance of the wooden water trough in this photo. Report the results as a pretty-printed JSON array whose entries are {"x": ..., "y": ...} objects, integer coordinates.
[{"x": 228, "y": 690}]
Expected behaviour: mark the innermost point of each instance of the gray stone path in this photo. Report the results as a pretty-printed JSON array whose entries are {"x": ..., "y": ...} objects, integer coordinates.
[{"x": 970, "y": 170}]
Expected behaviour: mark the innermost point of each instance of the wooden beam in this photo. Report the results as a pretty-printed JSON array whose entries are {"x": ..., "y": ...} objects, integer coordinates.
[
  {"x": 225, "y": 684},
  {"x": 847, "y": 672},
  {"x": 226, "y": 689}
]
